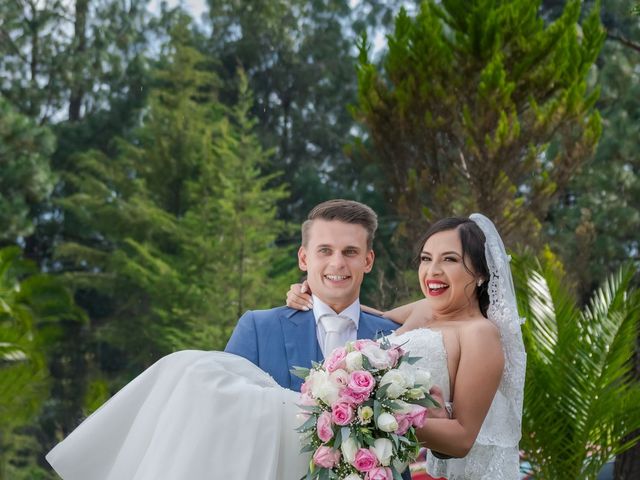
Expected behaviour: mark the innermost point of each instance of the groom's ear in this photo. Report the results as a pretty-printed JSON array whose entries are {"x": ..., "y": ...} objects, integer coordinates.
[
  {"x": 302, "y": 259},
  {"x": 369, "y": 261}
]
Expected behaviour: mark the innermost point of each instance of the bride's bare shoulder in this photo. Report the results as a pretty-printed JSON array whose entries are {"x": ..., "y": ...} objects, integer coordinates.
[{"x": 479, "y": 329}]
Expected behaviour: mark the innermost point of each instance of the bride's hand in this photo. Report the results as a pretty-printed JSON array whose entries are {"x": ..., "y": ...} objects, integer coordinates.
[{"x": 299, "y": 296}]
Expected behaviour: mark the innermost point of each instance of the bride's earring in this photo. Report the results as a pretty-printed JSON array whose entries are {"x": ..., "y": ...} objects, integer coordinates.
[{"x": 479, "y": 282}]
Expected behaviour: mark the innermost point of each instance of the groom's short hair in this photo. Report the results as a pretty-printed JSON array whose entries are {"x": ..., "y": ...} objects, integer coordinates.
[{"x": 347, "y": 211}]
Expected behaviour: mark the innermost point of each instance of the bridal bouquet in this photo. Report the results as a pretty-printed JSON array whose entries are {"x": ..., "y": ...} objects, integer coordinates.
[{"x": 363, "y": 405}]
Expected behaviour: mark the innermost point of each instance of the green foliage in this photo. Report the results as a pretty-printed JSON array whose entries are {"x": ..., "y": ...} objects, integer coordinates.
[
  {"x": 32, "y": 55},
  {"x": 180, "y": 224},
  {"x": 234, "y": 257},
  {"x": 32, "y": 307},
  {"x": 580, "y": 399},
  {"x": 594, "y": 225},
  {"x": 68, "y": 56},
  {"x": 25, "y": 174},
  {"x": 299, "y": 63},
  {"x": 481, "y": 106}
]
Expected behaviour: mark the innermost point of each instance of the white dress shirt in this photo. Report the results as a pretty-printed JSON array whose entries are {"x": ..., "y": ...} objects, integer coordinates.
[{"x": 352, "y": 312}]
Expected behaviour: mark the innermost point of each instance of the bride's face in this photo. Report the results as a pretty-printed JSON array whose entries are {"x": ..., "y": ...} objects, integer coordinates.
[{"x": 446, "y": 281}]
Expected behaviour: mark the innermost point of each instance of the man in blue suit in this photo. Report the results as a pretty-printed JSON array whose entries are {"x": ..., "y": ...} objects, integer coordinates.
[{"x": 336, "y": 253}]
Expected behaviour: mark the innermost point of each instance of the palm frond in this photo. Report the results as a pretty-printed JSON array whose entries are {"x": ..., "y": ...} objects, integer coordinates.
[{"x": 579, "y": 399}]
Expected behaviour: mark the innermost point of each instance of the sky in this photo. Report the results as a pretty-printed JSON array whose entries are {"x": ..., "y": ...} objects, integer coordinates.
[{"x": 195, "y": 7}]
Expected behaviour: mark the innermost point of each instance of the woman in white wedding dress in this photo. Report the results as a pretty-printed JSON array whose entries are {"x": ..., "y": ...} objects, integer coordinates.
[{"x": 210, "y": 415}]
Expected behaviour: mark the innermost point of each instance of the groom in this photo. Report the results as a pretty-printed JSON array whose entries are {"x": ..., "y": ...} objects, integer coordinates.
[{"x": 336, "y": 253}]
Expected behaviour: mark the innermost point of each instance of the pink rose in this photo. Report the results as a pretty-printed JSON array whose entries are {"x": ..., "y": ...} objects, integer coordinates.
[
  {"x": 306, "y": 400},
  {"x": 394, "y": 355},
  {"x": 354, "y": 398},
  {"x": 404, "y": 422},
  {"x": 418, "y": 415},
  {"x": 365, "y": 460},
  {"x": 325, "y": 432},
  {"x": 326, "y": 457},
  {"x": 379, "y": 473},
  {"x": 342, "y": 413},
  {"x": 336, "y": 360},
  {"x": 361, "y": 381},
  {"x": 360, "y": 344}
]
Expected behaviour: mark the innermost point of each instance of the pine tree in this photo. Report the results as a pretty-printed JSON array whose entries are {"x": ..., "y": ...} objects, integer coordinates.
[
  {"x": 26, "y": 178},
  {"x": 481, "y": 107},
  {"x": 67, "y": 58},
  {"x": 131, "y": 206},
  {"x": 298, "y": 57},
  {"x": 177, "y": 223},
  {"x": 600, "y": 210},
  {"x": 235, "y": 253}
]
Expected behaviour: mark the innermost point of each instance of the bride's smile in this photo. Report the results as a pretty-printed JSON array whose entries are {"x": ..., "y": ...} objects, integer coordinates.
[{"x": 446, "y": 280}]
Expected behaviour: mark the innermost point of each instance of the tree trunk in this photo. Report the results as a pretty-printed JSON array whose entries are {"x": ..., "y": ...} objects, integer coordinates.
[
  {"x": 80, "y": 40},
  {"x": 627, "y": 465}
]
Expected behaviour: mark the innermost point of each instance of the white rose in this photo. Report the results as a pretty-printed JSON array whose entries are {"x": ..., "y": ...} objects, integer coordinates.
[
  {"x": 324, "y": 387},
  {"x": 349, "y": 448},
  {"x": 383, "y": 448},
  {"x": 423, "y": 378},
  {"x": 409, "y": 372},
  {"x": 397, "y": 382},
  {"x": 354, "y": 361},
  {"x": 378, "y": 358},
  {"x": 387, "y": 422}
]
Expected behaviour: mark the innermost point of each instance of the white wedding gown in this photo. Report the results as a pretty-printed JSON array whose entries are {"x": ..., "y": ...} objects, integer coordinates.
[
  {"x": 495, "y": 454},
  {"x": 197, "y": 415}
]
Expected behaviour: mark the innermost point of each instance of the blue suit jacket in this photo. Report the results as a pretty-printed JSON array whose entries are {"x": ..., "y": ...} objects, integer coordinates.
[{"x": 281, "y": 338}]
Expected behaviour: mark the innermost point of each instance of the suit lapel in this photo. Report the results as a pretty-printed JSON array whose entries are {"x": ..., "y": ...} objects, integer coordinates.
[{"x": 300, "y": 341}]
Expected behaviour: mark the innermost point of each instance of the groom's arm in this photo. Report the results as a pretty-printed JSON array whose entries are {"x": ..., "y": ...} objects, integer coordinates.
[{"x": 244, "y": 339}]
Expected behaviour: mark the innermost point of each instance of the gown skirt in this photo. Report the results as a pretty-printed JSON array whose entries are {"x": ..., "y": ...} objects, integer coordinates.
[{"x": 192, "y": 415}]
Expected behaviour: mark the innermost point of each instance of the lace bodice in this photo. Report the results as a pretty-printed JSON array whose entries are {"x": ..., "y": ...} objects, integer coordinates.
[
  {"x": 429, "y": 346},
  {"x": 494, "y": 455}
]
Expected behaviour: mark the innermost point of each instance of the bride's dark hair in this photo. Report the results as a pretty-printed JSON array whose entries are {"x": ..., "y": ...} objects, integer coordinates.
[{"x": 472, "y": 240}]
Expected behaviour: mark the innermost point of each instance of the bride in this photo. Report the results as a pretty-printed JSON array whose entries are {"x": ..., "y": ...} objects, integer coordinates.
[{"x": 196, "y": 415}]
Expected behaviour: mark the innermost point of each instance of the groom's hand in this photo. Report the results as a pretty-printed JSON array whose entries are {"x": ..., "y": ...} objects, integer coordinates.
[
  {"x": 437, "y": 412},
  {"x": 299, "y": 296}
]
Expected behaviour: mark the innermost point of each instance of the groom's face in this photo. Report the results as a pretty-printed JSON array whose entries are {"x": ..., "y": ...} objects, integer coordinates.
[{"x": 336, "y": 258}]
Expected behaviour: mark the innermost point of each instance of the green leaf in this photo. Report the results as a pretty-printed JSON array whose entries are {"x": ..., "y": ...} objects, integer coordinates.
[
  {"x": 307, "y": 448},
  {"x": 309, "y": 424},
  {"x": 300, "y": 372},
  {"x": 337, "y": 439},
  {"x": 381, "y": 393}
]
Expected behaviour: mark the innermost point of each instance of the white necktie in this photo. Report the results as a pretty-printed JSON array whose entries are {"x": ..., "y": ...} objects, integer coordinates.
[{"x": 334, "y": 326}]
